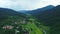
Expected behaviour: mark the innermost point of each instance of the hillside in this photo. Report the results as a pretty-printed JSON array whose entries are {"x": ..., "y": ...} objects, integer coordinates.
[
  {"x": 40, "y": 9},
  {"x": 4, "y": 12},
  {"x": 50, "y": 18}
]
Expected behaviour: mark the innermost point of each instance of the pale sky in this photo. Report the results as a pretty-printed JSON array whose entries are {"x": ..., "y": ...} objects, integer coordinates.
[{"x": 27, "y": 4}]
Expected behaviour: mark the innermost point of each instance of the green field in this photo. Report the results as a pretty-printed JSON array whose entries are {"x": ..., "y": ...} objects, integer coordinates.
[{"x": 35, "y": 30}]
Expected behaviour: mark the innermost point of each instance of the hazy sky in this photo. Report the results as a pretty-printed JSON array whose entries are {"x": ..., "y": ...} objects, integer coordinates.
[{"x": 27, "y": 4}]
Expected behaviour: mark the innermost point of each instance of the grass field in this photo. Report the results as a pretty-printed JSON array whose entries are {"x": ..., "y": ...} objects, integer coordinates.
[{"x": 35, "y": 29}]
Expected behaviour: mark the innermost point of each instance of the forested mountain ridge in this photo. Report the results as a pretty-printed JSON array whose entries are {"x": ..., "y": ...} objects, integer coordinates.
[
  {"x": 4, "y": 12},
  {"x": 40, "y": 9},
  {"x": 50, "y": 18}
]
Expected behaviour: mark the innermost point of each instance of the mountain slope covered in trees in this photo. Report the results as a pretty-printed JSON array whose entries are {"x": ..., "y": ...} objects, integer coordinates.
[
  {"x": 40, "y": 9},
  {"x": 50, "y": 18}
]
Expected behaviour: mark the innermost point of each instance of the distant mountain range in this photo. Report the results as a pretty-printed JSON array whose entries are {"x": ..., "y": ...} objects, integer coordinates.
[
  {"x": 4, "y": 12},
  {"x": 45, "y": 15},
  {"x": 49, "y": 16},
  {"x": 40, "y": 9}
]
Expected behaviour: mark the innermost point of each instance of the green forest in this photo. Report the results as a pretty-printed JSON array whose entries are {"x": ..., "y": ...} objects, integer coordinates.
[{"x": 20, "y": 25}]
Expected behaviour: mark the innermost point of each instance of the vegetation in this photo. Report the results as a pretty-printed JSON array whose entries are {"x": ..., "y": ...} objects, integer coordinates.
[
  {"x": 49, "y": 18},
  {"x": 19, "y": 25}
]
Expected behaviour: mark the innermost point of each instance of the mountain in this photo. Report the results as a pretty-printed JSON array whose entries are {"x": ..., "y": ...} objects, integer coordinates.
[
  {"x": 50, "y": 18},
  {"x": 50, "y": 15},
  {"x": 4, "y": 12},
  {"x": 23, "y": 11},
  {"x": 40, "y": 9}
]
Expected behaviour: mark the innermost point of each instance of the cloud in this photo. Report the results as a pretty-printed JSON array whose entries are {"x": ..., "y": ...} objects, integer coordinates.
[{"x": 27, "y": 4}]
